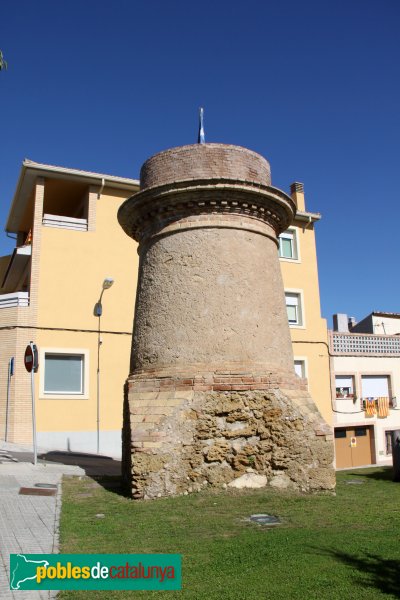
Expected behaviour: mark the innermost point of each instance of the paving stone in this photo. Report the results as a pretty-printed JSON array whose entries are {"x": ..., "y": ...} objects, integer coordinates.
[{"x": 28, "y": 524}]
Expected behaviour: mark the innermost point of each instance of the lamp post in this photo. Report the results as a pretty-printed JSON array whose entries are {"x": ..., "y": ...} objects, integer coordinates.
[{"x": 98, "y": 311}]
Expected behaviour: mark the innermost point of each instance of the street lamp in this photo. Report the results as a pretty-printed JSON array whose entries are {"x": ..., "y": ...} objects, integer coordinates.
[
  {"x": 98, "y": 311},
  {"x": 107, "y": 283}
]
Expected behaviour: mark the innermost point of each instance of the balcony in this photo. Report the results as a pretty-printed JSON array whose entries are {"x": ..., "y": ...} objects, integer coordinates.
[
  {"x": 371, "y": 407},
  {"x": 364, "y": 344},
  {"x": 347, "y": 404},
  {"x": 376, "y": 401},
  {"x": 345, "y": 396},
  {"x": 14, "y": 300},
  {"x": 17, "y": 268},
  {"x": 62, "y": 222}
]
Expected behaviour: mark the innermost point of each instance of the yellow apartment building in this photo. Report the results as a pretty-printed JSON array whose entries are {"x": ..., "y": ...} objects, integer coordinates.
[
  {"x": 68, "y": 243},
  {"x": 298, "y": 258}
]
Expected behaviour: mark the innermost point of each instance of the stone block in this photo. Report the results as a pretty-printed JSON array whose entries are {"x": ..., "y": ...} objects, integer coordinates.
[
  {"x": 249, "y": 480},
  {"x": 280, "y": 481}
]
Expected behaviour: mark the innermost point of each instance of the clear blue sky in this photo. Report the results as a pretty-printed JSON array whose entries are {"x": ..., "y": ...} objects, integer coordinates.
[{"x": 313, "y": 86}]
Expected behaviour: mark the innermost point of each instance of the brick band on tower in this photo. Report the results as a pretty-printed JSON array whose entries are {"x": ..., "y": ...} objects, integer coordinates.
[{"x": 212, "y": 397}]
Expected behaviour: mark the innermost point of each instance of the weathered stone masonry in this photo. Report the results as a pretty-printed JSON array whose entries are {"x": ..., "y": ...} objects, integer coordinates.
[{"x": 212, "y": 395}]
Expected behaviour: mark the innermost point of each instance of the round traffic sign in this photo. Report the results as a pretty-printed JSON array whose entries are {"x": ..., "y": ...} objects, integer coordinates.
[
  {"x": 28, "y": 358},
  {"x": 31, "y": 358}
]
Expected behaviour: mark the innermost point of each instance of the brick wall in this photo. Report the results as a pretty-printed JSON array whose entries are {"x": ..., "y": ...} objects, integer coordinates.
[
  {"x": 204, "y": 161},
  {"x": 15, "y": 335},
  {"x": 187, "y": 430}
]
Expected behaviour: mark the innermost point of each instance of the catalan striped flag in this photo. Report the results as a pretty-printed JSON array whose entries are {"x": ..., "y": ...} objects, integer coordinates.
[
  {"x": 383, "y": 407},
  {"x": 370, "y": 407}
]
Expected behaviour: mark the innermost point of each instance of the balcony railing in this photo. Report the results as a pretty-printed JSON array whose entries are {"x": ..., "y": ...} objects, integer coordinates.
[
  {"x": 62, "y": 222},
  {"x": 351, "y": 344},
  {"x": 378, "y": 407},
  {"x": 375, "y": 401},
  {"x": 16, "y": 267},
  {"x": 16, "y": 299}
]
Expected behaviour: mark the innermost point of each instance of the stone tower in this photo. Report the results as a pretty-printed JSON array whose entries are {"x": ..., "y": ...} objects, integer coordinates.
[{"x": 212, "y": 397}]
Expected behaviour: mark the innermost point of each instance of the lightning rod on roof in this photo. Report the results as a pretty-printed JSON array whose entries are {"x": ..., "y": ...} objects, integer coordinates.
[{"x": 201, "y": 139}]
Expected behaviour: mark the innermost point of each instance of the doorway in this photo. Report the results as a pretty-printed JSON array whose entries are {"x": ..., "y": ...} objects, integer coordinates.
[{"x": 354, "y": 446}]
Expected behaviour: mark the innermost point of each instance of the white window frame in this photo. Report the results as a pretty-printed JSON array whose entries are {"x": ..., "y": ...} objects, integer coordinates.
[
  {"x": 352, "y": 395},
  {"x": 304, "y": 364},
  {"x": 300, "y": 322},
  {"x": 84, "y": 353},
  {"x": 376, "y": 375},
  {"x": 291, "y": 234}
]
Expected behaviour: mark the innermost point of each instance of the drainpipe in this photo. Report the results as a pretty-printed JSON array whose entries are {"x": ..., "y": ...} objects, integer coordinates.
[{"x": 103, "y": 182}]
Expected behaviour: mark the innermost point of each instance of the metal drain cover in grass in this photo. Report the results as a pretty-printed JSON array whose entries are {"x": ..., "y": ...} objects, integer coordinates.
[
  {"x": 47, "y": 486},
  {"x": 265, "y": 519},
  {"x": 355, "y": 482}
]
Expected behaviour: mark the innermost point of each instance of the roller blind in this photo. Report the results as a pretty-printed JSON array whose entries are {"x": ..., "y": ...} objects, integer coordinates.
[
  {"x": 63, "y": 373},
  {"x": 374, "y": 386}
]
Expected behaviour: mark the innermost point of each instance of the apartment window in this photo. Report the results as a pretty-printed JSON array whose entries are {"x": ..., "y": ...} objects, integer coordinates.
[
  {"x": 360, "y": 431},
  {"x": 294, "y": 308},
  {"x": 388, "y": 442},
  {"x": 288, "y": 245},
  {"x": 300, "y": 368},
  {"x": 344, "y": 385},
  {"x": 340, "y": 433},
  {"x": 374, "y": 386},
  {"x": 65, "y": 373}
]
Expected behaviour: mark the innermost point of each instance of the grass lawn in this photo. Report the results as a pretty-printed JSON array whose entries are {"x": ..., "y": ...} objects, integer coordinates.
[{"x": 343, "y": 547}]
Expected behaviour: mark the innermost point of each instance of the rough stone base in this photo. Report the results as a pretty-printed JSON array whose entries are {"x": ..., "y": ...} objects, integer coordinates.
[{"x": 180, "y": 441}]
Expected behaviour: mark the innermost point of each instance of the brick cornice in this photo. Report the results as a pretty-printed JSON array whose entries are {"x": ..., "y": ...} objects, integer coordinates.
[{"x": 151, "y": 210}]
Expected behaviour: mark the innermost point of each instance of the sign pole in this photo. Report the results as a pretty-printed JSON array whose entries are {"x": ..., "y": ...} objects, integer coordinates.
[
  {"x": 33, "y": 418},
  {"x": 31, "y": 365},
  {"x": 10, "y": 373}
]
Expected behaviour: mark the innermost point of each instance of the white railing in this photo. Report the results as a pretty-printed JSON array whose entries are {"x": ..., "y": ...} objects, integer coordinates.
[
  {"x": 14, "y": 300},
  {"x": 365, "y": 344},
  {"x": 62, "y": 222},
  {"x": 348, "y": 405},
  {"x": 359, "y": 405}
]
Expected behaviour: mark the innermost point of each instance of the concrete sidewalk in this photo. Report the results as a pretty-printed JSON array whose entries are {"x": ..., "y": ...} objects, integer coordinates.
[{"x": 29, "y": 524}]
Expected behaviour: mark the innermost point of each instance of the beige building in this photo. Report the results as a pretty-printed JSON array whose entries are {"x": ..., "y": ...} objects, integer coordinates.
[
  {"x": 366, "y": 385},
  {"x": 68, "y": 241},
  {"x": 298, "y": 257}
]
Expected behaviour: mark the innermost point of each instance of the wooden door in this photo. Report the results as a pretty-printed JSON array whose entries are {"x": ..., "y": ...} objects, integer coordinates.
[
  {"x": 354, "y": 447},
  {"x": 343, "y": 448}
]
